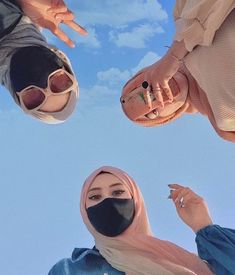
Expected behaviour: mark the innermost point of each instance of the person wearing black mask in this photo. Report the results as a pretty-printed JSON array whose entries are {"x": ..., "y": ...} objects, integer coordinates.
[
  {"x": 112, "y": 208},
  {"x": 38, "y": 76}
]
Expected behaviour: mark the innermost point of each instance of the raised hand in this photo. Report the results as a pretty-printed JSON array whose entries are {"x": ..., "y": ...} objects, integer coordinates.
[
  {"x": 49, "y": 14},
  {"x": 191, "y": 208}
]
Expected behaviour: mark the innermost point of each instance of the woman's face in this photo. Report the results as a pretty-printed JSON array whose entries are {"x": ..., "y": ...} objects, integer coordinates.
[{"x": 104, "y": 186}]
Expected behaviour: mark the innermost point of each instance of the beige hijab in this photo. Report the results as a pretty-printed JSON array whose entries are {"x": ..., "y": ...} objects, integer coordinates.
[{"x": 136, "y": 251}]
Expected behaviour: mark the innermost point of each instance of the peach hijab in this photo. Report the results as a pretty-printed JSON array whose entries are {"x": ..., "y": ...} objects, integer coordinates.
[
  {"x": 134, "y": 104},
  {"x": 136, "y": 251}
]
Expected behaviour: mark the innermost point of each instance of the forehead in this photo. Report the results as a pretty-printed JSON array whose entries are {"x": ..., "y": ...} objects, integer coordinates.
[{"x": 104, "y": 180}]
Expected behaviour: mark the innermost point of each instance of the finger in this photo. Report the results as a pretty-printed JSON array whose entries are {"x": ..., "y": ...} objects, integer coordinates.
[
  {"x": 180, "y": 195},
  {"x": 167, "y": 90},
  {"x": 55, "y": 3},
  {"x": 62, "y": 36},
  {"x": 148, "y": 99},
  {"x": 76, "y": 27},
  {"x": 174, "y": 193},
  {"x": 188, "y": 198},
  {"x": 175, "y": 186},
  {"x": 157, "y": 91},
  {"x": 66, "y": 16},
  {"x": 58, "y": 9}
]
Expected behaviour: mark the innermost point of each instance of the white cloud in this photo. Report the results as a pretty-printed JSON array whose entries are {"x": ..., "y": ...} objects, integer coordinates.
[
  {"x": 116, "y": 13},
  {"x": 107, "y": 90},
  {"x": 147, "y": 60},
  {"x": 90, "y": 40},
  {"x": 113, "y": 76},
  {"x": 137, "y": 37}
]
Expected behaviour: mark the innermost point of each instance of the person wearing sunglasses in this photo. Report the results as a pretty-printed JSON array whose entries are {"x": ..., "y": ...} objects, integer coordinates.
[
  {"x": 39, "y": 77},
  {"x": 113, "y": 210},
  {"x": 195, "y": 76}
]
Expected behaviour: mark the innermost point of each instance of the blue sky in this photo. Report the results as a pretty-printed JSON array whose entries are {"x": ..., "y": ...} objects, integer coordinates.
[{"x": 43, "y": 167}]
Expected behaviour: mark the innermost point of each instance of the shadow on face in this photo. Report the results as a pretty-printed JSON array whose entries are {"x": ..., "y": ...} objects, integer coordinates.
[{"x": 104, "y": 186}]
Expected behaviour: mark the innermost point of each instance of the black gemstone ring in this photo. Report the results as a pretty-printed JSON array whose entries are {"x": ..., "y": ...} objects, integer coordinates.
[{"x": 145, "y": 84}]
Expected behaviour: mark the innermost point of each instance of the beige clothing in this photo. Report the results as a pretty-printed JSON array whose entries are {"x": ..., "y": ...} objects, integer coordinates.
[
  {"x": 214, "y": 70},
  {"x": 211, "y": 23},
  {"x": 197, "y": 21}
]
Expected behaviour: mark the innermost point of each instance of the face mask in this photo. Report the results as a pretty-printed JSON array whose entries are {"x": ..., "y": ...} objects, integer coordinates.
[
  {"x": 32, "y": 66},
  {"x": 112, "y": 216}
]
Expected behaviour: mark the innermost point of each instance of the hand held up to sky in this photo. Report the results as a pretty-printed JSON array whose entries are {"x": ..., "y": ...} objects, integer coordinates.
[
  {"x": 191, "y": 208},
  {"x": 159, "y": 74},
  {"x": 49, "y": 14}
]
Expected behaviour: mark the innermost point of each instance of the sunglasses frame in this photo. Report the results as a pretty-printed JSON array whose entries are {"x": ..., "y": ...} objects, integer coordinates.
[{"x": 47, "y": 91}]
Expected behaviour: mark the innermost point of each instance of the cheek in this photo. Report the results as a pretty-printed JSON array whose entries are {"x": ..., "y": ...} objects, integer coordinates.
[{"x": 90, "y": 203}]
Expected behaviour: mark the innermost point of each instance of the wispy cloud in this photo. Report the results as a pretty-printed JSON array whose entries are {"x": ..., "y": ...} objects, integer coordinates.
[
  {"x": 116, "y": 13},
  {"x": 135, "y": 38},
  {"x": 140, "y": 18},
  {"x": 107, "y": 90}
]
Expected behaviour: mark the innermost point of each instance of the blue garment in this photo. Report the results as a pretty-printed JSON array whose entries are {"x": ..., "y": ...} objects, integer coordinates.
[
  {"x": 10, "y": 15},
  {"x": 216, "y": 245},
  {"x": 84, "y": 261}
]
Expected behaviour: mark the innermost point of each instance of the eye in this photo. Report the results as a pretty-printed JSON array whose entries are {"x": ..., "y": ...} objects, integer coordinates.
[
  {"x": 95, "y": 197},
  {"x": 118, "y": 192}
]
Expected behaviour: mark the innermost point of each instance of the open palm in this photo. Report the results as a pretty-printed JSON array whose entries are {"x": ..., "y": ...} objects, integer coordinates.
[{"x": 49, "y": 14}]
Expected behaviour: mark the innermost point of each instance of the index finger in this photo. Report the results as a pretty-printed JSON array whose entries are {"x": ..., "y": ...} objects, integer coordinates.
[
  {"x": 76, "y": 27},
  {"x": 175, "y": 186},
  {"x": 62, "y": 36}
]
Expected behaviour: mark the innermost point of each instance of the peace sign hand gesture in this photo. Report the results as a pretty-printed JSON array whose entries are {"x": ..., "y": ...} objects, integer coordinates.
[
  {"x": 49, "y": 14},
  {"x": 191, "y": 208}
]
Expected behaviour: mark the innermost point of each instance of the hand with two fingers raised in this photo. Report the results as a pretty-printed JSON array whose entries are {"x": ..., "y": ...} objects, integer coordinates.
[{"x": 49, "y": 14}]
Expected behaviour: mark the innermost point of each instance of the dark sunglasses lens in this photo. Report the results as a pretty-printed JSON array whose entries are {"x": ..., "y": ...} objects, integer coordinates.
[
  {"x": 32, "y": 98},
  {"x": 60, "y": 82}
]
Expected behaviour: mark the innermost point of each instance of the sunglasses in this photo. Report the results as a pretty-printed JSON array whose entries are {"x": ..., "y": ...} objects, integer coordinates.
[{"x": 59, "y": 82}]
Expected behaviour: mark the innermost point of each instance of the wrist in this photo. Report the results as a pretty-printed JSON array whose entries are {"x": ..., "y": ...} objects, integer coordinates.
[
  {"x": 177, "y": 50},
  {"x": 201, "y": 226}
]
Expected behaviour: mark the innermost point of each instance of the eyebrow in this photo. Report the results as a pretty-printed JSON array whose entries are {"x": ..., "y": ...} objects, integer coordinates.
[
  {"x": 98, "y": 188},
  {"x": 94, "y": 189},
  {"x": 115, "y": 184}
]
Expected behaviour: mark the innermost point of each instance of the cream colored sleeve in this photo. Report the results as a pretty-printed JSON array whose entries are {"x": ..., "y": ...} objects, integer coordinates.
[{"x": 196, "y": 21}]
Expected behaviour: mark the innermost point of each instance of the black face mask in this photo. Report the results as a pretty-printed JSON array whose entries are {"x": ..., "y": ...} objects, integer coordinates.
[
  {"x": 31, "y": 66},
  {"x": 112, "y": 216}
]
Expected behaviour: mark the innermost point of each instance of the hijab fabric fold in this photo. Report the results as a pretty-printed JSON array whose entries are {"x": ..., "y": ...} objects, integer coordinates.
[{"x": 136, "y": 251}]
